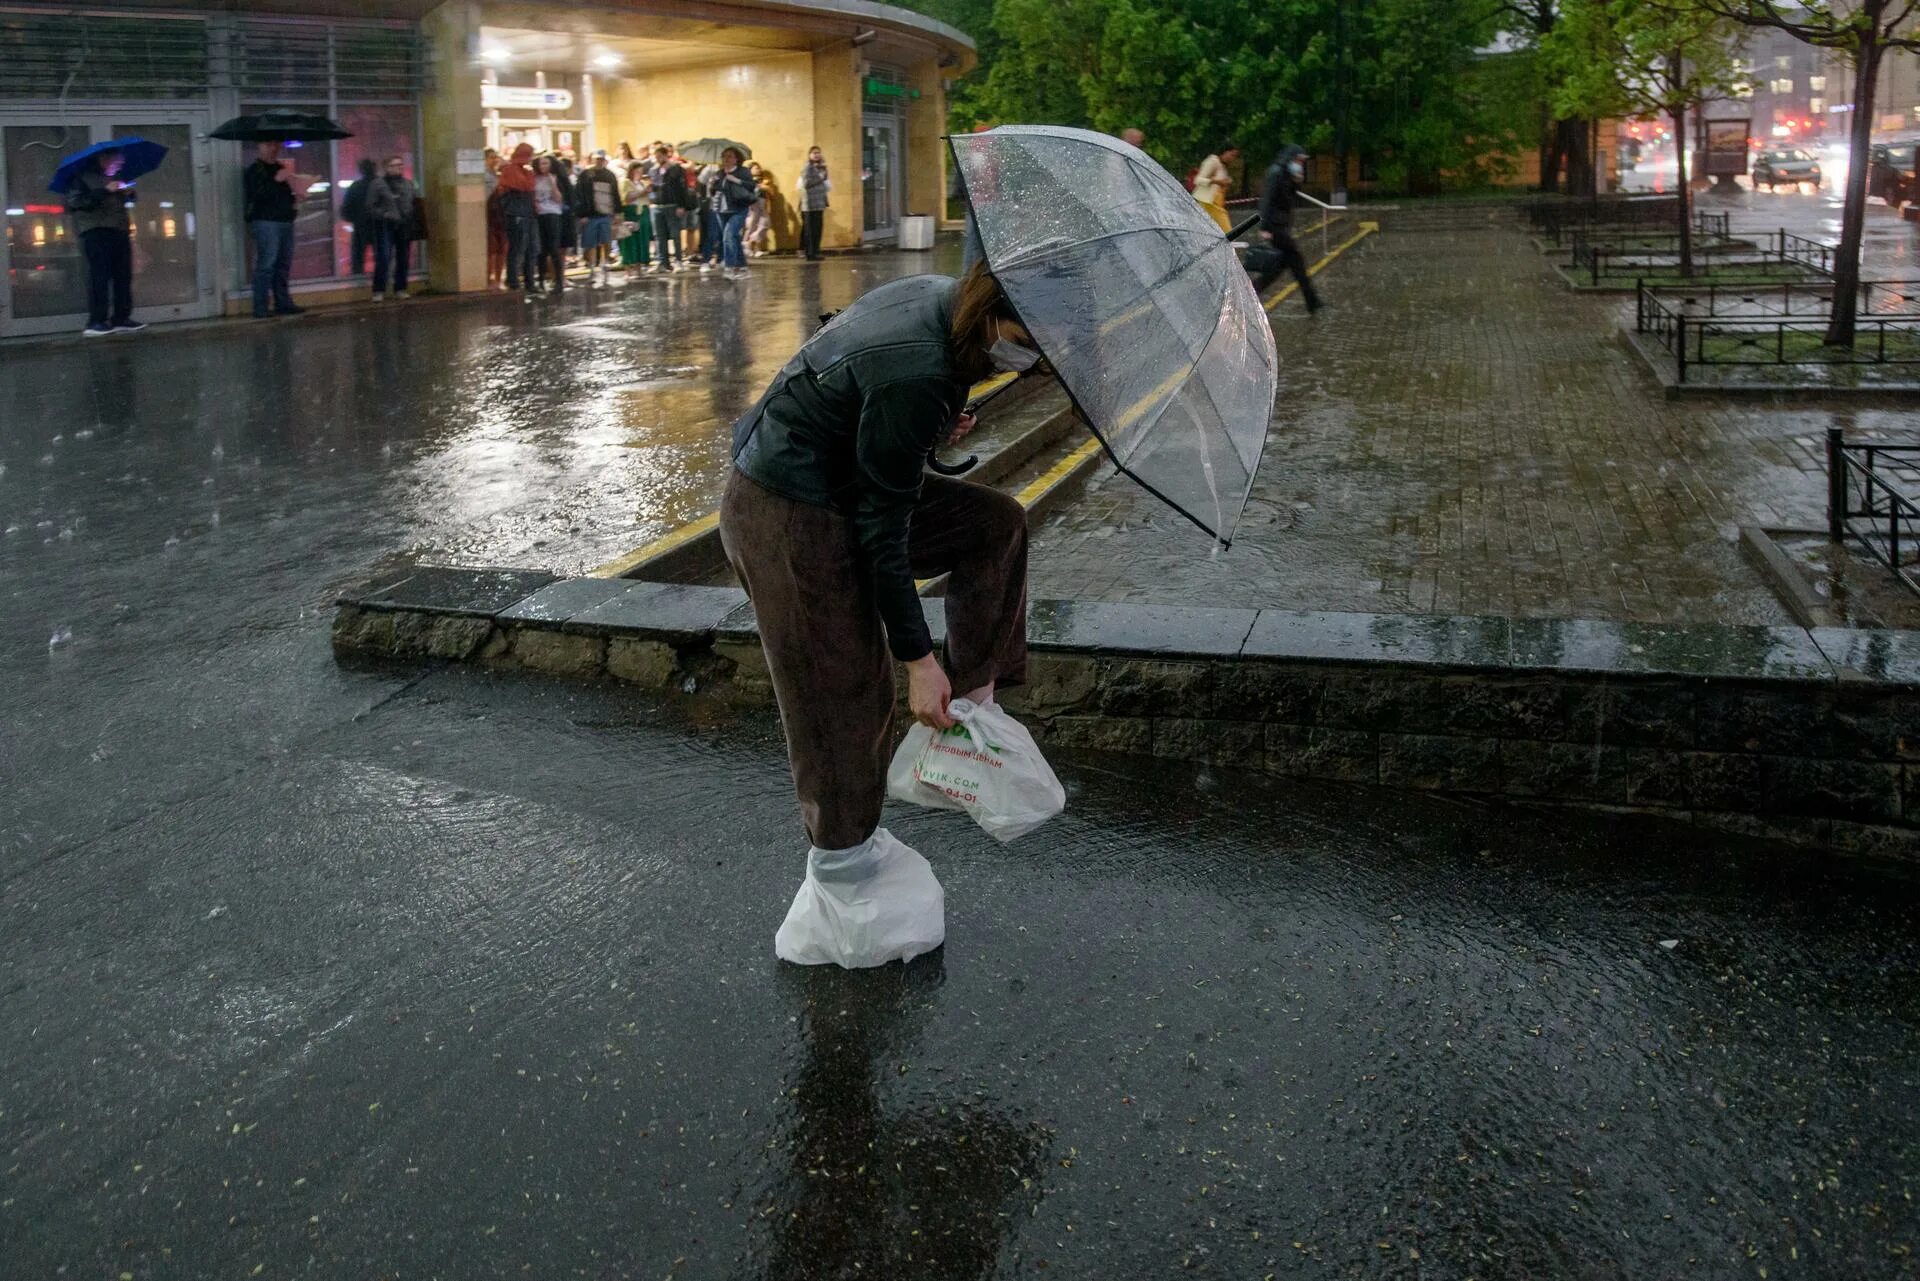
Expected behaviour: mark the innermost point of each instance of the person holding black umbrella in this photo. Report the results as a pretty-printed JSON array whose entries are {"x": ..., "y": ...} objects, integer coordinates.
[
  {"x": 273, "y": 202},
  {"x": 98, "y": 201}
]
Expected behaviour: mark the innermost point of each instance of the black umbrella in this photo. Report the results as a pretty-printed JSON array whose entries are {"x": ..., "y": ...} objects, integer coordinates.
[{"x": 280, "y": 126}]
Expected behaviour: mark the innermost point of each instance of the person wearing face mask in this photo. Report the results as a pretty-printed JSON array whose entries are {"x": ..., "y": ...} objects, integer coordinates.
[
  {"x": 828, "y": 519},
  {"x": 1288, "y": 170}
]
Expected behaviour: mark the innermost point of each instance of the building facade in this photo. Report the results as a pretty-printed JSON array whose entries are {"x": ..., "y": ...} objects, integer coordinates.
[{"x": 436, "y": 84}]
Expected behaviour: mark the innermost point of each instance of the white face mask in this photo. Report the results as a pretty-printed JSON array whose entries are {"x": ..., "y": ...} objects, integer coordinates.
[
  {"x": 1296, "y": 169},
  {"x": 1010, "y": 357}
]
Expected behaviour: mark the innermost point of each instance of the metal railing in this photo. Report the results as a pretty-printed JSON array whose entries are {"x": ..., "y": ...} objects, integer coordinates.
[
  {"x": 1789, "y": 299},
  {"x": 1713, "y": 223},
  {"x": 1816, "y": 255},
  {"x": 1554, "y": 217},
  {"x": 1698, "y": 326},
  {"x": 1882, "y": 518},
  {"x": 1786, "y": 251},
  {"x": 1326, "y": 221}
]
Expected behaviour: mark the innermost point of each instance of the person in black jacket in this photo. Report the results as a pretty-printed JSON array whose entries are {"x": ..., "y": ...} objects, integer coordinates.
[
  {"x": 98, "y": 201},
  {"x": 666, "y": 194},
  {"x": 1276, "y": 227},
  {"x": 353, "y": 211},
  {"x": 273, "y": 192},
  {"x": 828, "y": 518}
]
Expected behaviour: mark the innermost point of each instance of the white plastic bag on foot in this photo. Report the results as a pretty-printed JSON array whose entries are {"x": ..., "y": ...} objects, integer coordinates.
[
  {"x": 863, "y": 907},
  {"x": 987, "y": 765}
]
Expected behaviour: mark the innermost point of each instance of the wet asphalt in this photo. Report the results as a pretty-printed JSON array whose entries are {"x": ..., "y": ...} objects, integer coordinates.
[{"x": 407, "y": 972}]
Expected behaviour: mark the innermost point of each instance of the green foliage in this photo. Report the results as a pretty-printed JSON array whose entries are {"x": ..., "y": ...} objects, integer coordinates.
[
  {"x": 1639, "y": 57},
  {"x": 1400, "y": 81}
]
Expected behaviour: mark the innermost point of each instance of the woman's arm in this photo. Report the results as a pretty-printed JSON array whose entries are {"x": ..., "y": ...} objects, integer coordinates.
[{"x": 899, "y": 423}]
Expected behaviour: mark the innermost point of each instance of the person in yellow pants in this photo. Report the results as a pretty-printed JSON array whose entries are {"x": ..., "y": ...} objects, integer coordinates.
[{"x": 1214, "y": 181}]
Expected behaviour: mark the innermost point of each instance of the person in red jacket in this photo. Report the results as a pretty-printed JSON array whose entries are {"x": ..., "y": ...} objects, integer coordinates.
[{"x": 516, "y": 202}]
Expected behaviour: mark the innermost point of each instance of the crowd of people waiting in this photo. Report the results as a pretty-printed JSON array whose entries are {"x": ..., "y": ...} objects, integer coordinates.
[{"x": 655, "y": 213}]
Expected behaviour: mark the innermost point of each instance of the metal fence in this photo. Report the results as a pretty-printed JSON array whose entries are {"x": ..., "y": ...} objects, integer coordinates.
[
  {"x": 1637, "y": 256},
  {"x": 1705, "y": 324},
  {"x": 1553, "y": 216},
  {"x": 1868, "y": 498}
]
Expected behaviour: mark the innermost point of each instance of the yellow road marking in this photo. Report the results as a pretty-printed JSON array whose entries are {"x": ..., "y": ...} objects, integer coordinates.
[
  {"x": 1039, "y": 485},
  {"x": 1134, "y": 313},
  {"x": 1027, "y": 496},
  {"x": 659, "y": 546},
  {"x": 1366, "y": 229},
  {"x": 619, "y": 565}
]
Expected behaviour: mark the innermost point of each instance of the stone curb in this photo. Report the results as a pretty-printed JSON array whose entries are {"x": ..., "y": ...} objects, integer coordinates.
[{"x": 1810, "y": 736}]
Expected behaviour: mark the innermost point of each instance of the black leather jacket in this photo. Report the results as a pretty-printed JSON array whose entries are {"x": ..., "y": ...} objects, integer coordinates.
[
  {"x": 1276, "y": 195},
  {"x": 848, "y": 424}
]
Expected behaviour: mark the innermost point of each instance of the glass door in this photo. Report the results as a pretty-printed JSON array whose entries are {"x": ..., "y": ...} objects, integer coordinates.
[
  {"x": 879, "y": 177},
  {"x": 43, "y": 281}
]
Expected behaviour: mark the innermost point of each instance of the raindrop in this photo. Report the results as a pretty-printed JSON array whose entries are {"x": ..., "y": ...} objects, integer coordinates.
[
  {"x": 85, "y": 433},
  {"x": 689, "y": 685},
  {"x": 13, "y": 529},
  {"x": 58, "y": 439},
  {"x": 215, "y": 518},
  {"x": 207, "y": 481},
  {"x": 61, "y": 636},
  {"x": 46, "y": 460},
  {"x": 219, "y": 451},
  {"x": 386, "y": 451},
  {"x": 173, "y": 542},
  {"x": 66, "y": 535}
]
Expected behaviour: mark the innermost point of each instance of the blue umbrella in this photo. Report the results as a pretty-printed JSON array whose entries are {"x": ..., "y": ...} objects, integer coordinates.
[{"x": 142, "y": 157}]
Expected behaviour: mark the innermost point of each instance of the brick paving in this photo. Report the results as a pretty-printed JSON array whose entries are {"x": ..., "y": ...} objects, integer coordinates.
[{"x": 1458, "y": 434}]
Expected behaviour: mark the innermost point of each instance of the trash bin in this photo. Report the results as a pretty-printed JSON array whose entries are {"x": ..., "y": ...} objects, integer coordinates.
[{"x": 916, "y": 231}]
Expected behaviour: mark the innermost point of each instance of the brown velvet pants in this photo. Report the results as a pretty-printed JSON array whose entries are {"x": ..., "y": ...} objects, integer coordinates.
[{"x": 826, "y": 647}]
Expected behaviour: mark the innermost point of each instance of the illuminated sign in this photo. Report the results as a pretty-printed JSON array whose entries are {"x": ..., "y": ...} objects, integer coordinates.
[{"x": 516, "y": 98}]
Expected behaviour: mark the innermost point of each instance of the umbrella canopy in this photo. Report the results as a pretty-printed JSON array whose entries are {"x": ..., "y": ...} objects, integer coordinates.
[
  {"x": 280, "y": 126},
  {"x": 142, "y": 157},
  {"x": 1139, "y": 303},
  {"x": 706, "y": 151}
]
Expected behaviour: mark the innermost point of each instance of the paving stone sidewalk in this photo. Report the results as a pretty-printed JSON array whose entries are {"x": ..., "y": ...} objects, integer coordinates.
[{"x": 1458, "y": 434}]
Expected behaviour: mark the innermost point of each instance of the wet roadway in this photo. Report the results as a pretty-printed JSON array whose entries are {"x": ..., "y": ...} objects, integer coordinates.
[{"x": 336, "y": 972}]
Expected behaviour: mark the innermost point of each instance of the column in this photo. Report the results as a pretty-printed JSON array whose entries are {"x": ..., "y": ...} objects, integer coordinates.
[
  {"x": 836, "y": 130},
  {"x": 452, "y": 123},
  {"x": 925, "y": 120}
]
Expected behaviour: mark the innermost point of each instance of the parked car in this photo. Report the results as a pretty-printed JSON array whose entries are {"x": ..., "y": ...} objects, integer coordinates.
[
  {"x": 1890, "y": 172},
  {"x": 1791, "y": 166}
]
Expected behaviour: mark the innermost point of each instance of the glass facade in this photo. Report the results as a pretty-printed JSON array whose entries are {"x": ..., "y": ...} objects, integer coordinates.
[{"x": 366, "y": 76}]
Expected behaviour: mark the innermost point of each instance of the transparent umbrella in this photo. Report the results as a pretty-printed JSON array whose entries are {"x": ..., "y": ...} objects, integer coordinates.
[{"x": 1138, "y": 302}]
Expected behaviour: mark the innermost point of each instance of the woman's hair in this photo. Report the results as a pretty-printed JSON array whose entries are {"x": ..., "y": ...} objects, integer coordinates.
[
  {"x": 634, "y": 168},
  {"x": 543, "y": 158},
  {"x": 978, "y": 302}
]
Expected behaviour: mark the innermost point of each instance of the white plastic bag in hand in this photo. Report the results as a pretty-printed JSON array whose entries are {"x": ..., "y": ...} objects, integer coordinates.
[
  {"x": 987, "y": 765},
  {"x": 863, "y": 907}
]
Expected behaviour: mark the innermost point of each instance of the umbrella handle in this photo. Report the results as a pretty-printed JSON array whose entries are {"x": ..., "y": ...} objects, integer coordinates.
[{"x": 952, "y": 469}]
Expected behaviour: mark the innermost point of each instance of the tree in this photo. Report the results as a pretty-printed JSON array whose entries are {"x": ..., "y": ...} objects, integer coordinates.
[
  {"x": 1398, "y": 81},
  {"x": 1864, "y": 30},
  {"x": 1563, "y": 140},
  {"x": 1640, "y": 58}
]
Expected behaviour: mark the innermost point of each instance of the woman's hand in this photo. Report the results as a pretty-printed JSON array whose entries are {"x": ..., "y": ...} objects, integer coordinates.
[
  {"x": 961, "y": 426},
  {"x": 929, "y": 692}
]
